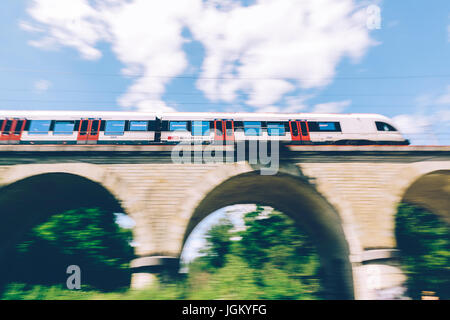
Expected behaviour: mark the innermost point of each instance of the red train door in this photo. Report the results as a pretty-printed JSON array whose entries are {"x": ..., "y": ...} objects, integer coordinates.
[
  {"x": 229, "y": 130},
  {"x": 304, "y": 130},
  {"x": 223, "y": 130},
  {"x": 5, "y": 127},
  {"x": 299, "y": 130},
  {"x": 88, "y": 131},
  {"x": 11, "y": 130},
  {"x": 295, "y": 132},
  {"x": 218, "y": 130}
]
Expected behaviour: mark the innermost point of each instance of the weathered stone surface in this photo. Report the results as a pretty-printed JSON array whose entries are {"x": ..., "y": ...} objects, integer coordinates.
[{"x": 346, "y": 197}]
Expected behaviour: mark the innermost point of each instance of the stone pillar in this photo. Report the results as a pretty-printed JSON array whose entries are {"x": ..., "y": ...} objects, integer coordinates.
[
  {"x": 145, "y": 270},
  {"x": 381, "y": 276}
]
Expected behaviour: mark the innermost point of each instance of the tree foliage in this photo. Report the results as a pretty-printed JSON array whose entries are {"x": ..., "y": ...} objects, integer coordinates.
[
  {"x": 424, "y": 241},
  {"x": 272, "y": 260},
  {"x": 87, "y": 237},
  {"x": 218, "y": 245}
]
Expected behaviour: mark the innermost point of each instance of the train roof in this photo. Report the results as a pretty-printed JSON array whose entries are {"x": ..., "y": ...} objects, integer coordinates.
[
  {"x": 52, "y": 114},
  {"x": 262, "y": 115},
  {"x": 59, "y": 114}
]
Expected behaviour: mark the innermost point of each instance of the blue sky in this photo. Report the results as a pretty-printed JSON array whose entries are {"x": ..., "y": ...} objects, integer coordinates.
[{"x": 266, "y": 55}]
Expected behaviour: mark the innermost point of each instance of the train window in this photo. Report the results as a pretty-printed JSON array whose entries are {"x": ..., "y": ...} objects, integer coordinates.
[
  {"x": 252, "y": 128},
  {"x": 200, "y": 128},
  {"x": 219, "y": 128},
  {"x": 114, "y": 127},
  {"x": 39, "y": 127},
  {"x": 94, "y": 127},
  {"x": 275, "y": 129},
  {"x": 178, "y": 126},
  {"x": 63, "y": 127},
  {"x": 324, "y": 126},
  {"x": 327, "y": 126},
  {"x": 304, "y": 128},
  {"x": 238, "y": 126},
  {"x": 153, "y": 125},
  {"x": 84, "y": 127},
  {"x": 164, "y": 125},
  {"x": 382, "y": 126},
  {"x": 8, "y": 126},
  {"x": 138, "y": 125},
  {"x": 18, "y": 128},
  {"x": 294, "y": 128},
  {"x": 229, "y": 127}
]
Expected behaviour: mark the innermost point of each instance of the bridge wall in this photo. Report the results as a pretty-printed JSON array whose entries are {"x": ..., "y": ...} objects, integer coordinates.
[{"x": 162, "y": 198}]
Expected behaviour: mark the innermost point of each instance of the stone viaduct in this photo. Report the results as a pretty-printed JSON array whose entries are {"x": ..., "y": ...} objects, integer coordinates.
[{"x": 345, "y": 197}]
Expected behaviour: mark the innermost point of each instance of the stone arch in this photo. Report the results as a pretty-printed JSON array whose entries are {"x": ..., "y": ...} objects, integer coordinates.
[
  {"x": 426, "y": 184},
  {"x": 292, "y": 195},
  {"x": 31, "y": 193},
  {"x": 108, "y": 180},
  {"x": 193, "y": 198}
]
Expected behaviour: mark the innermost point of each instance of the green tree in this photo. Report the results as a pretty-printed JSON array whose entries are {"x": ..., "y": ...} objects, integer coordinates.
[
  {"x": 424, "y": 241},
  {"x": 274, "y": 242},
  {"x": 87, "y": 237},
  {"x": 218, "y": 245},
  {"x": 272, "y": 260}
]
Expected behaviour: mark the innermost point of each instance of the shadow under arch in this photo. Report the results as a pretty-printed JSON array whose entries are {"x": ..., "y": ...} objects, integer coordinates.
[
  {"x": 32, "y": 200},
  {"x": 300, "y": 201},
  {"x": 431, "y": 191}
]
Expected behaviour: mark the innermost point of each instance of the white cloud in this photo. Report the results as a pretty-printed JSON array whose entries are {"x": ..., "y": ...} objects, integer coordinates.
[
  {"x": 434, "y": 99},
  {"x": 147, "y": 38},
  {"x": 444, "y": 98},
  {"x": 68, "y": 23},
  {"x": 26, "y": 26},
  {"x": 42, "y": 85},
  {"x": 296, "y": 104},
  {"x": 417, "y": 128},
  {"x": 264, "y": 50},
  {"x": 412, "y": 123},
  {"x": 259, "y": 47},
  {"x": 431, "y": 123},
  {"x": 331, "y": 107},
  {"x": 144, "y": 35}
]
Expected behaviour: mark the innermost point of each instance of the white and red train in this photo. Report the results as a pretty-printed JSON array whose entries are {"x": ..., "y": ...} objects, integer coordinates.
[{"x": 90, "y": 127}]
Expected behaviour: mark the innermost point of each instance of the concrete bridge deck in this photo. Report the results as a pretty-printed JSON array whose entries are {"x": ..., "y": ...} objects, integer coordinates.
[{"x": 169, "y": 148}]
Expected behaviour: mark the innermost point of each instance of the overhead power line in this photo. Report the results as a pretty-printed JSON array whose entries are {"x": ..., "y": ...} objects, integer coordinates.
[
  {"x": 192, "y": 76},
  {"x": 52, "y": 90},
  {"x": 176, "y": 103}
]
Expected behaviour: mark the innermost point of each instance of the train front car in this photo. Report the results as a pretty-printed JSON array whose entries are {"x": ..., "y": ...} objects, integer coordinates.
[
  {"x": 387, "y": 132},
  {"x": 368, "y": 129}
]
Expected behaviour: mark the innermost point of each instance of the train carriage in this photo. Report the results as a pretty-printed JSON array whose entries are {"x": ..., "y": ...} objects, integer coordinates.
[{"x": 58, "y": 127}]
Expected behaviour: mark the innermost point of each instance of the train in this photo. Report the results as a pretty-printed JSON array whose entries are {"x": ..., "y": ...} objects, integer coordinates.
[{"x": 107, "y": 127}]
